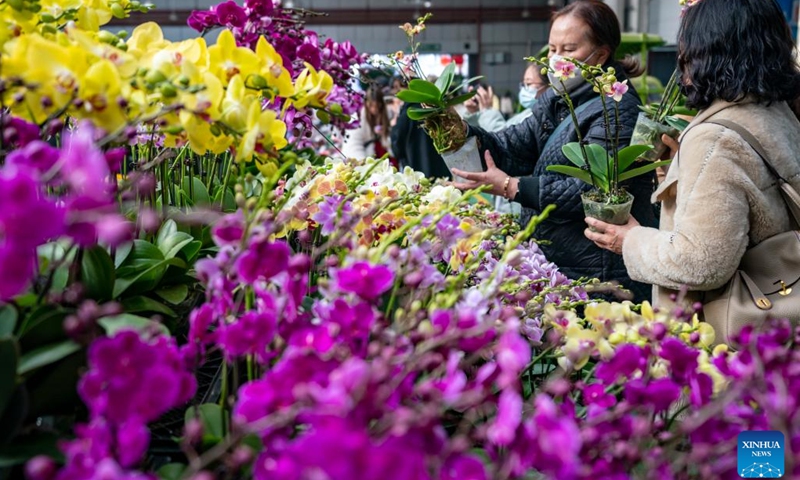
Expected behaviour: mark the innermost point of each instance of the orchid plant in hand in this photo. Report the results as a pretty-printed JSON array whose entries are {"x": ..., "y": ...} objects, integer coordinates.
[
  {"x": 437, "y": 99},
  {"x": 605, "y": 168}
]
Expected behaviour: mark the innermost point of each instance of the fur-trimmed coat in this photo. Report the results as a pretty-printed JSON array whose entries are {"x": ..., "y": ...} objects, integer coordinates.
[{"x": 718, "y": 199}]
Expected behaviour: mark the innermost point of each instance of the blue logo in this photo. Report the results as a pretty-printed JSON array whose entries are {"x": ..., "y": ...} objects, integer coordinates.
[{"x": 760, "y": 454}]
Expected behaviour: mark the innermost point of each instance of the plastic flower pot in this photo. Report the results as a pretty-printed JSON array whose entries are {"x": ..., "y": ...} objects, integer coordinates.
[
  {"x": 466, "y": 158},
  {"x": 595, "y": 206},
  {"x": 648, "y": 132}
]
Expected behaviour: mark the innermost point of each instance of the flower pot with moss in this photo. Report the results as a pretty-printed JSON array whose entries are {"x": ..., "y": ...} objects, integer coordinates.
[{"x": 440, "y": 120}]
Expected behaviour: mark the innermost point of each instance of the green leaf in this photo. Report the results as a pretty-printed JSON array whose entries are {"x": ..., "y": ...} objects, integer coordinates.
[
  {"x": 8, "y": 320},
  {"x": 191, "y": 249},
  {"x": 599, "y": 159},
  {"x": 574, "y": 154},
  {"x": 629, "y": 154},
  {"x": 254, "y": 442},
  {"x": 174, "y": 294},
  {"x": 45, "y": 356},
  {"x": 141, "y": 303},
  {"x": 411, "y": 96},
  {"x": 200, "y": 194},
  {"x": 425, "y": 87},
  {"x": 466, "y": 82},
  {"x": 211, "y": 416},
  {"x": 417, "y": 113},
  {"x": 228, "y": 201},
  {"x": 576, "y": 172},
  {"x": 43, "y": 325},
  {"x": 143, "y": 250},
  {"x": 461, "y": 99},
  {"x": 650, "y": 110},
  {"x": 8, "y": 370},
  {"x": 13, "y": 417},
  {"x": 121, "y": 253},
  {"x": 126, "y": 321},
  {"x": 678, "y": 124},
  {"x": 173, "y": 243},
  {"x": 51, "y": 254},
  {"x": 147, "y": 279},
  {"x": 26, "y": 447},
  {"x": 642, "y": 170},
  {"x": 97, "y": 274},
  {"x": 167, "y": 229},
  {"x": 446, "y": 78},
  {"x": 171, "y": 471}
]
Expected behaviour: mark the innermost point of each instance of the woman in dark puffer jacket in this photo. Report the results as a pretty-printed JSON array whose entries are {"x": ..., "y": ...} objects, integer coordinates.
[{"x": 517, "y": 157}]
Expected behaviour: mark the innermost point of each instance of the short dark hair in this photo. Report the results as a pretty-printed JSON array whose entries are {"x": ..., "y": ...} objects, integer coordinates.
[
  {"x": 728, "y": 52},
  {"x": 603, "y": 26}
]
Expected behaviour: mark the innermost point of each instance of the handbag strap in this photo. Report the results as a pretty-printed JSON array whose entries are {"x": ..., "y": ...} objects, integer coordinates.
[
  {"x": 753, "y": 141},
  {"x": 564, "y": 123},
  {"x": 789, "y": 194}
]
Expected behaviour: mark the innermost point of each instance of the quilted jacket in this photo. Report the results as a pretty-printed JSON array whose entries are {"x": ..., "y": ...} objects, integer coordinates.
[{"x": 520, "y": 152}]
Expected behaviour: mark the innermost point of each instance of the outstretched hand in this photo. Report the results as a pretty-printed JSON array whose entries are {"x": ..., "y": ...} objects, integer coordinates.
[{"x": 492, "y": 176}]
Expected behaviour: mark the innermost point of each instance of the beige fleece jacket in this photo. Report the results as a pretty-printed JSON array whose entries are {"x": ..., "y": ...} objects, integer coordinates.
[{"x": 718, "y": 199}]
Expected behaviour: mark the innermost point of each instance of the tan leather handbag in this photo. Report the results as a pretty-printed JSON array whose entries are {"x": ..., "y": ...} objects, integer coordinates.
[{"x": 767, "y": 283}]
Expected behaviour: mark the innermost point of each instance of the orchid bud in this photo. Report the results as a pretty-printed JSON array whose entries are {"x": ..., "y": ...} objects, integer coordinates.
[
  {"x": 40, "y": 467},
  {"x": 193, "y": 431}
]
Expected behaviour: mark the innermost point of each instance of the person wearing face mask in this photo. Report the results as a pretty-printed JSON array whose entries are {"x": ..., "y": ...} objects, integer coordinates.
[
  {"x": 516, "y": 158},
  {"x": 482, "y": 114}
]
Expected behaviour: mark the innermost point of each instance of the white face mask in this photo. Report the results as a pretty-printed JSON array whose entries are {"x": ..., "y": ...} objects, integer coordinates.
[
  {"x": 569, "y": 84},
  {"x": 527, "y": 96}
]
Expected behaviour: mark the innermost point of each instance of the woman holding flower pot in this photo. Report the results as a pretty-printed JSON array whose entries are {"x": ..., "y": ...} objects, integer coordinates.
[
  {"x": 720, "y": 198},
  {"x": 517, "y": 157}
]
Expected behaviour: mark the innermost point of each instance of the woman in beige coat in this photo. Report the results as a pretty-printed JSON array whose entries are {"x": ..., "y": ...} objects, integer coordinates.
[{"x": 718, "y": 197}]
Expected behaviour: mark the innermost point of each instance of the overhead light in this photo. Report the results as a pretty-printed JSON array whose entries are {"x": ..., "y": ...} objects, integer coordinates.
[
  {"x": 427, "y": 4},
  {"x": 289, "y": 4}
]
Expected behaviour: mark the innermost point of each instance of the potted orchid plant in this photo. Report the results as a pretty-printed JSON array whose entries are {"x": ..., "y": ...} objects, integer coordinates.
[
  {"x": 604, "y": 169},
  {"x": 437, "y": 99},
  {"x": 656, "y": 120}
]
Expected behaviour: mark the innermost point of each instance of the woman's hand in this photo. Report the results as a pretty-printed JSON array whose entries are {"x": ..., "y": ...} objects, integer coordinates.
[
  {"x": 472, "y": 105},
  {"x": 608, "y": 236},
  {"x": 485, "y": 97},
  {"x": 672, "y": 145},
  {"x": 492, "y": 176}
]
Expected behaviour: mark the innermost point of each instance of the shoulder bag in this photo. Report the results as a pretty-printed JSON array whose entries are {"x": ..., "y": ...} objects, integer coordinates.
[{"x": 766, "y": 283}]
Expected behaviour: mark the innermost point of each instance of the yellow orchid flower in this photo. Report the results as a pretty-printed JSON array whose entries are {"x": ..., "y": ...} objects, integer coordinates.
[
  {"x": 146, "y": 39},
  {"x": 93, "y": 14},
  {"x": 311, "y": 88},
  {"x": 226, "y": 59},
  {"x": 101, "y": 94},
  {"x": 704, "y": 365},
  {"x": 602, "y": 311},
  {"x": 124, "y": 62},
  {"x": 54, "y": 70},
  {"x": 579, "y": 345},
  {"x": 236, "y": 104},
  {"x": 264, "y": 133},
  {"x": 273, "y": 71},
  {"x": 200, "y": 137},
  {"x": 561, "y": 320}
]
